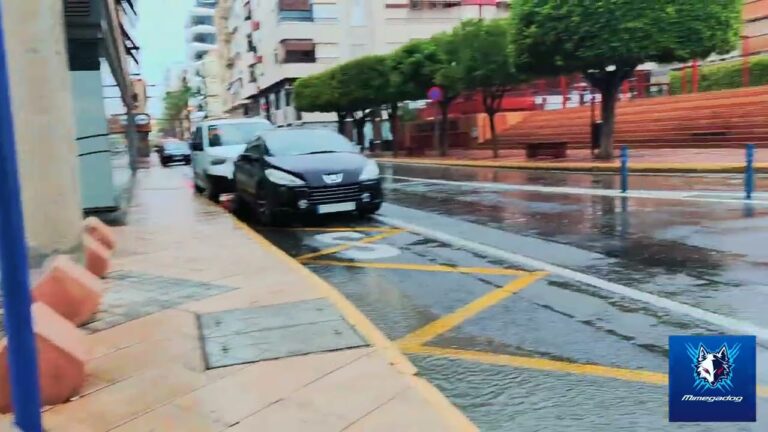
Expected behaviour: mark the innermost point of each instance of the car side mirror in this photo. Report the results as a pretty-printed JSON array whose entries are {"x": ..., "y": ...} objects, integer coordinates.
[
  {"x": 247, "y": 157},
  {"x": 196, "y": 146}
]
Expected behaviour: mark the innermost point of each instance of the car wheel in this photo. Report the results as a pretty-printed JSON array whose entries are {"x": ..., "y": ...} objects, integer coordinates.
[
  {"x": 240, "y": 207},
  {"x": 265, "y": 213},
  {"x": 213, "y": 192},
  {"x": 199, "y": 189}
]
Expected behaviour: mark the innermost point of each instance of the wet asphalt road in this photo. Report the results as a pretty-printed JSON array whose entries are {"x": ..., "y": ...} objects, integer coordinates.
[{"x": 708, "y": 255}]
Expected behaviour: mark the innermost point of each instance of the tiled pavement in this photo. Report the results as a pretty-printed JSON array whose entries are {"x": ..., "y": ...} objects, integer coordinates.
[{"x": 180, "y": 256}]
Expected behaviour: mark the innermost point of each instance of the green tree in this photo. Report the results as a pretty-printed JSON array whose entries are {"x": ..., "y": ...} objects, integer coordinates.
[
  {"x": 421, "y": 64},
  {"x": 322, "y": 92},
  {"x": 607, "y": 39},
  {"x": 484, "y": 66},
  {"x": 365, "y": 81},
  {"x": 175, "y": 106}
]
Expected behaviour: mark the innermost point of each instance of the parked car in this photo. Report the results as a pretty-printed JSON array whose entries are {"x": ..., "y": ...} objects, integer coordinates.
[
  {"x": 215, "y": 145},
  {"x": 174, "y": 151},
  {"x": 287, "y": 172}
]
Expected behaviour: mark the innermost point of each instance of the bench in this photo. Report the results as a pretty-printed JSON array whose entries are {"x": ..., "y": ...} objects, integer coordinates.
[{"x": 553, "y": 149}]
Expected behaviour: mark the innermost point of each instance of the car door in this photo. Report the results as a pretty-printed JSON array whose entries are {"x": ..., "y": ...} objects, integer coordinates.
[
  {"x": 247, "y": 167},
  {"x": 198, "y": 156}
]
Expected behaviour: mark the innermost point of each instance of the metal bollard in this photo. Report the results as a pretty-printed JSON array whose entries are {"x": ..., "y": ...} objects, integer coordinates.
[
  {"x": 749, "y": 172},
  {"x": 22, "y": 351},
  {"x": 624, "y": 169}
]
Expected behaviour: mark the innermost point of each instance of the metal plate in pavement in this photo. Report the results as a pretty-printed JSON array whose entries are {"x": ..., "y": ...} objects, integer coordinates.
[{"x": 271, "y": 332}]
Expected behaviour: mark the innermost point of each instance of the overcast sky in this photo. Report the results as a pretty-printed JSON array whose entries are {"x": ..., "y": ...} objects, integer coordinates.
[{"x": 160, "y": 34}]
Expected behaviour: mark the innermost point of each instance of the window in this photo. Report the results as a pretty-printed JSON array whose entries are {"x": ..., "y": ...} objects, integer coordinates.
[
  {"x": 248, "y": 13},
  {"x": 325, "y": 12},
  {"x": 202, "y": 20},
  {"x": 299, "y": 57},
  {"x": 229, "y": 134},
  {"x": 298, "y": 51},
  {"x": 276, "y": 103},
  {"x": 251, "y": 45},
  {"x": 288, "y": 96},
  {"x": 252, "y": 73},
  {"x": 206, "y": 38},
  {"x": 198, "y": 138}
]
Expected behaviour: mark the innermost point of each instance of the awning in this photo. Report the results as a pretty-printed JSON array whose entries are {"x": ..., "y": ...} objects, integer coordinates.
[{"x": 298, "y": 44}]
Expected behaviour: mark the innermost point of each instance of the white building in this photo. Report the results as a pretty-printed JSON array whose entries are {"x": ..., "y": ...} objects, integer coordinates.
[
  {"x": 201, "y": 39},
  {"x": 276, "y": 42}
]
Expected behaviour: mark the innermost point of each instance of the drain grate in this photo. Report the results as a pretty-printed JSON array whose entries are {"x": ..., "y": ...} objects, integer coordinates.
[
  {"x": 271, "y": 332},
  {"x": 133, "y": 295}
]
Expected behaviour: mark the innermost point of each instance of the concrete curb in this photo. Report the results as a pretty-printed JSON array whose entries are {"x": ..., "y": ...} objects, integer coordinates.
[{"x": 674, "y": 168}]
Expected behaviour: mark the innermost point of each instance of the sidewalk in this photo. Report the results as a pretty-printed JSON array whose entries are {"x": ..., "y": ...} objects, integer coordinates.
[
  {"x": 179, "y": 259},
  {"x": 642, "y": 160}
]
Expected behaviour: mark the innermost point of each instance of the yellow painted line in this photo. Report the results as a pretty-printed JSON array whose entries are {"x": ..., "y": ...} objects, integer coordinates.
[
  {"x": 453, "y": 319},
  {"x": 339, "y": 248},
  {"x": 421, "y": 267},
  {"x": 633, "y": 375},
  {"x": 371, "y": 333},
  {"x": 544, "y": 364},
  {"x": 340, "y": 229}
]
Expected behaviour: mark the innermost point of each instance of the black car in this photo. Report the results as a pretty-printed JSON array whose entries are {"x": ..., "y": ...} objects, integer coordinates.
[
  {"x": 174, "y": 151},
  {"x": 305, "y": 172}
]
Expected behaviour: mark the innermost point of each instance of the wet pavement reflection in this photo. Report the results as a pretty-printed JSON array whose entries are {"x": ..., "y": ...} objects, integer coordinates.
[{"x": 703, "y": 254}]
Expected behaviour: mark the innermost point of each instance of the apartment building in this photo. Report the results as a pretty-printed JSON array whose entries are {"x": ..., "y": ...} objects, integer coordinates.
[
  {"x": 201, "y": 39},
  {"x": 275, "y": 42}
]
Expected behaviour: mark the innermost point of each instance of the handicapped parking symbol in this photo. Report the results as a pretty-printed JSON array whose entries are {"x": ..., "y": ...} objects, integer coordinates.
[{"x": 358, "y": 250}]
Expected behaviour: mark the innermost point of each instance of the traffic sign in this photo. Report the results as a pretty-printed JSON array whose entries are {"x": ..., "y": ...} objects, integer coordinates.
[{"x": 435, "y": 94}]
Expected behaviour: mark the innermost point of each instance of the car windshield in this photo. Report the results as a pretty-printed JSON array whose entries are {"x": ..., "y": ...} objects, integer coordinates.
[
  {"x": 300, "y": 142},
  {"x": 228, "y": 134},
  {"x": 175, "y": 146}
]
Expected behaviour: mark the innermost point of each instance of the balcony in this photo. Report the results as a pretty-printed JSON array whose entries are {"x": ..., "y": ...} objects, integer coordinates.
[{"x": 298, "y": 51}]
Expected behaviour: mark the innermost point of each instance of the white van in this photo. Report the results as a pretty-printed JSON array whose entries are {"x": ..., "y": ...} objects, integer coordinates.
[{"x": 215, "y": 145}]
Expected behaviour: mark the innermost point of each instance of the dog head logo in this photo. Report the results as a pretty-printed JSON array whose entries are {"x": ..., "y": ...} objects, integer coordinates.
[{"x": 713, "y": 368}]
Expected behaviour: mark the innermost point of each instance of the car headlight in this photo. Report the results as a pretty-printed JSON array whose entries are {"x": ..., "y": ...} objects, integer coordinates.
[
  {"x": 371, "y": 171},
  {"x": 282, "y": 178},
  {"x": 218, "y": 161}
]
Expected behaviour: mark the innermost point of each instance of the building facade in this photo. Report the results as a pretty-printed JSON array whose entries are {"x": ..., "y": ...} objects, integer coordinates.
[
  {"x": 274, "y": 43},
  {"x": 201, "y": 39},
  {"x": 755, "y": 27},
  {"x": 103, "y": 58}
]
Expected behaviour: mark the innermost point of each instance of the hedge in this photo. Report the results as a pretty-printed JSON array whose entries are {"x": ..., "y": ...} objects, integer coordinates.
[{"x": 723, "y": 75}]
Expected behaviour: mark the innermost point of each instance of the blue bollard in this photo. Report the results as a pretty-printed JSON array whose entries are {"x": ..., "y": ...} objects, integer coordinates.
[
  {"x": 22, "y": 352},
  {"x": 749, "y": 172},
  {"x": 624, "y": 169}
]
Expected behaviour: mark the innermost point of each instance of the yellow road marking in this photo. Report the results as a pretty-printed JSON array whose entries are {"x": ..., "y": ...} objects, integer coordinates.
[
  {"x": 371, "y": 333},
  {"x": 420, "y": 267},
  {"x": 340, "y": 229},
  {"x": 542, "y": 364},
  {"x": 447, "y": 322},
  {"x": 633, "y": 375},
  {"x": 346, "y": 246}
]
